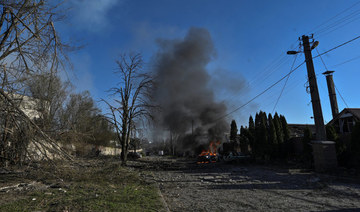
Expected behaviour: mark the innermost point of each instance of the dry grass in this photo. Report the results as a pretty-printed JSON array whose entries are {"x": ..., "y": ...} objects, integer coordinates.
[{"x": 94, "y": 185}]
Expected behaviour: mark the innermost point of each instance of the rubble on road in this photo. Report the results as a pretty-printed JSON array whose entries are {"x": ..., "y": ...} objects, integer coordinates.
[{"x": 187, "y": 186}]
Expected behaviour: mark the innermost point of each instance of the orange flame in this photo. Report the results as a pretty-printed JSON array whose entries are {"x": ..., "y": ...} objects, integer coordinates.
[{"x": 211, "y": 151}]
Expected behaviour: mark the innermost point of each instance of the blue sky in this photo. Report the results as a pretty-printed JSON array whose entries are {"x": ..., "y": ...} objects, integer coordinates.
[{"x": 251, "y": 39}]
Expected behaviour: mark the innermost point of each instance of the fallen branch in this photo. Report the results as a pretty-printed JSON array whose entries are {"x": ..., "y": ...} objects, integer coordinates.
[{"x": 54, "y": 147}]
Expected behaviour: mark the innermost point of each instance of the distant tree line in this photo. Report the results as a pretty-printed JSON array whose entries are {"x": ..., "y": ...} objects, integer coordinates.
[
  {"x": 269, "y": 139},
  {"x": 71, "y": 118}
]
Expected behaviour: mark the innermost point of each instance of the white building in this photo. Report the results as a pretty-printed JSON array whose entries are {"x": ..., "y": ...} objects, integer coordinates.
[{"x": 27, "y": 104}]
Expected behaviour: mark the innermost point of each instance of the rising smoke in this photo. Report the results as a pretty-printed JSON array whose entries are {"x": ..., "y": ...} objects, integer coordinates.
[{"x": 182, "y": 87}]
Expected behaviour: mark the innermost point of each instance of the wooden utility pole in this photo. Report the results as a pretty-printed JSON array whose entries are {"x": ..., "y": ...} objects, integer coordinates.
[
  {"x": 315, "y": 99},
  {"x": 324, "y": 152}
]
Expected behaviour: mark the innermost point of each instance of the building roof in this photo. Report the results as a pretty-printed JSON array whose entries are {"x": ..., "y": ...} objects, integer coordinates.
[
  {"x": 353, "y": 111},
  {"x": 297, "y": 130}
]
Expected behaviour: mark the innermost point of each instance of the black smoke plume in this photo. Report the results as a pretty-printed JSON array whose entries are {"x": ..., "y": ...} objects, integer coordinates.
[{"x": 183, "y": 91}]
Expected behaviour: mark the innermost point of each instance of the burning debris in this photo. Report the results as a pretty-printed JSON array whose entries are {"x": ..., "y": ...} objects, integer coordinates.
[
  {"x": 209, "y": 155},
  {"x": 187, "y": 101}
]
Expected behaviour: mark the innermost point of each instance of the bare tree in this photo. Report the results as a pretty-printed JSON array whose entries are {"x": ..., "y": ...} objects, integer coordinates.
[
  {"x": 132, "y": 98},
  {"x": 29, "y": 44},
  {"x": 28, "y": 39},
  {"x": 50, "y": 94},
  {"x": 80, "y": 119}
]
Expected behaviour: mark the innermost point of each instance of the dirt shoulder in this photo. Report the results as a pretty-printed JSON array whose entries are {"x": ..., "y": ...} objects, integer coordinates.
[
  {"x": 89, "y": 185},
  {"x": 187, "y": 186}
]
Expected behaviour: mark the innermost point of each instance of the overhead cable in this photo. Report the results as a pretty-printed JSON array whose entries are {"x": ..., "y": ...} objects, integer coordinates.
[
  {"x": 282, "y": 90},
  {"x": 335, "y": 16},
  {"x": 337, "y": 47},
  {"x": 277, "y": 82},
  {"x": 341, "y": 97},
  {"x": 248, "y": 102}
]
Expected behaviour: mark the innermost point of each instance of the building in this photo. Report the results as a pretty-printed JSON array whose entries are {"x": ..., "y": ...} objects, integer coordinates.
[
  {"x": 27, "y": 104},
  {"x": 297, "y": 130},
  {"x": 345, "y": 120}
]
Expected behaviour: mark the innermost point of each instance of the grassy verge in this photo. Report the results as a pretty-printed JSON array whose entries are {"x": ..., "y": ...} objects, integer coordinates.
[{"x": 97, "y": 185}]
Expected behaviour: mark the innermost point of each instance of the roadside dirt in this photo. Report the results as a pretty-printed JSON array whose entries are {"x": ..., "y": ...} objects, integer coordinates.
[{"x": 187, "y": 186}]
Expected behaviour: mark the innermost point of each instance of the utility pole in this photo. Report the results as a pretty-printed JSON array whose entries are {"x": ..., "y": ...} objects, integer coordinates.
[
  {"x": 324, "y": 152},
  {"x": 315, "y": 99}
]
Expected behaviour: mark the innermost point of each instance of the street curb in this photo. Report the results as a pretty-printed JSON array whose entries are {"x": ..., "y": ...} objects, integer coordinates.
[
  {"x": 162, "y": 199},
  {"x": 166, "y": 207}
]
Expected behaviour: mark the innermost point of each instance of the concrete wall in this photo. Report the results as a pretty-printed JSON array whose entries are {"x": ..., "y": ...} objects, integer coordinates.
[
  {"x": 113, "y": 151},
  {"x": 42, "y": 151},
  {"x": 109, "y": 150}
]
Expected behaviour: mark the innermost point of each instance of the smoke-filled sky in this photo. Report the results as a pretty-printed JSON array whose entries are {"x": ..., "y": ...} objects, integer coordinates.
[
  {"x": 183, "y": 90},
  {"x": 247, "y": 53}
]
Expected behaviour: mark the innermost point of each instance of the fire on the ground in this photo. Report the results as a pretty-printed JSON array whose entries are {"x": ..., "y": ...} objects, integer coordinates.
[{"x": 209, "y": 155}]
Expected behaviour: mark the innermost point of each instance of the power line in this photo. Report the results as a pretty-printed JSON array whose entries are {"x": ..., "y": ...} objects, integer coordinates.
[
  {"x": 328, "y": 20},
  {"x": 334, "y": 85},
  {"x": 248, "y": 102},
  {"x": 277, "y": 82},
  {"x": 341, "y": 97},
  {"x": 321, "y": 59},
  {"x": 338, "y": 26},
  {"x": 265, "y": 74},
  {"x": 271, "y": 67},
  {"x": 352, "y": 17},
  {"x": 319, "y": 55},
  {"x": 282, "y": 90},
  {"x": 347, "y": 61}
]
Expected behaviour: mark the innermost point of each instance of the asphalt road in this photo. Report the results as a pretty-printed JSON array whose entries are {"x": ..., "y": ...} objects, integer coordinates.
[{"x": 187, "y": 186}]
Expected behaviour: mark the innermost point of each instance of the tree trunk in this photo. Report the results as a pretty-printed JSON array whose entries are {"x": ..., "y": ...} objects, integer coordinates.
[
  {"x": 123, "y": 148},
  {"x": 124, "y": 157},
  {"x": 124, "y": 141},
  {"x": 126, "y": 147}
]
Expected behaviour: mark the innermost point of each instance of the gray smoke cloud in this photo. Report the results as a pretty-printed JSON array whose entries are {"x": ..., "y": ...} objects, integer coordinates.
[{"x": 182, "y": 86}]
